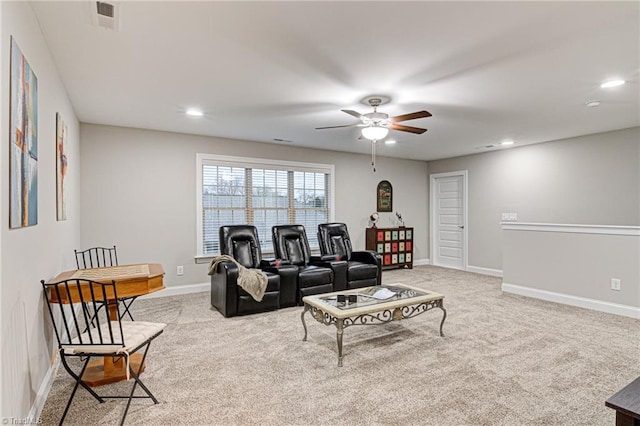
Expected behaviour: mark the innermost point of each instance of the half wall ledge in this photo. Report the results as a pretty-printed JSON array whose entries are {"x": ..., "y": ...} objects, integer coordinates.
[{"x": 574, "y": 264}]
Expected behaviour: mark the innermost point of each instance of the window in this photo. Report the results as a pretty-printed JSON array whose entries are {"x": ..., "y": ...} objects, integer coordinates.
[{"x": 263, "y": 193}]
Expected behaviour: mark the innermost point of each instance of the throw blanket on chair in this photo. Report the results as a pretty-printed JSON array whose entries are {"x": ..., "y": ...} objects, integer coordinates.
[{"x": 253, "y": 281}]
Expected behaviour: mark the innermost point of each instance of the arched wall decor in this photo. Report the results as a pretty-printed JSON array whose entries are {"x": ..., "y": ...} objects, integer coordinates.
[{"x": 384, "y": 197}]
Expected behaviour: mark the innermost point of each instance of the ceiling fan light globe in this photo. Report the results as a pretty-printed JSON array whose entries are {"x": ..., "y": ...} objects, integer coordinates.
[{"x": 374, "y": 133}]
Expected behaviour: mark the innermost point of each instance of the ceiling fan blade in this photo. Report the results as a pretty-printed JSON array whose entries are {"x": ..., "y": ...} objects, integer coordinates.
[
  {"x": 411, "y": 116},
  {"x": 336, "y": 127},
  {"x": 356, "y": 114},
  {"x": 409, "y": 129}
]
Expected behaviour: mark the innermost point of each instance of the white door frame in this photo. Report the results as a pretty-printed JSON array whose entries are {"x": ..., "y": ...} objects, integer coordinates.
[{"x": 433, "y": 213}]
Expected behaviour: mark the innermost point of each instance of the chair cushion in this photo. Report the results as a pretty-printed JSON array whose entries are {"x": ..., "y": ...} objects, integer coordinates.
[
  {"x": 311, "y": 276},
  {"x": 242, "y": 243},
  {"x": 273, "y": 284},
  {"x": 361, "y": 271},
  {"x": 334, "y": 239},
  {"x": 295, "y": 251},
  {"x": 134, "y": 333},
  {"x": 338, "y": 247},
  {"x": 244, "y": 252}
]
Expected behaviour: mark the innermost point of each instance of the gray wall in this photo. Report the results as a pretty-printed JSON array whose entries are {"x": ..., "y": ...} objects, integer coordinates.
[
  {"x": 592, "y": 179},
  {"x": 41, "y": 251},
  {"x": 139, "y": 192},
  {"x": 575, "y": 264}
]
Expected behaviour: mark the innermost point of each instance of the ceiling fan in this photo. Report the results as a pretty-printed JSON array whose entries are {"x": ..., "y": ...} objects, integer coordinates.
[{"x": 376, "y": 125}]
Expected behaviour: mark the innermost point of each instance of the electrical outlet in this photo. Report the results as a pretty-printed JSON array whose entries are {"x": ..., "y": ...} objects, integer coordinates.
[
  {"x": 615, "y": 284},
  {"x": 505, "y": 216},
  {"x": 180, "y": 270},
  {"x": 513, "y": 216}
]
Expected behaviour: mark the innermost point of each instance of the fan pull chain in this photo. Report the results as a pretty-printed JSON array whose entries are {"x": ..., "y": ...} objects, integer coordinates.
[{"x": 373, "y": 154}]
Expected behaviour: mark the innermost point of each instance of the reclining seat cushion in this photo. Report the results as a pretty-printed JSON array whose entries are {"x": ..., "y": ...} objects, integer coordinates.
[
  {"x": 271, "y": 299},
  {"x": 312, "y": 276},
  {"x": 273, "y": 284},
  {"x": 357, "y": 271}
]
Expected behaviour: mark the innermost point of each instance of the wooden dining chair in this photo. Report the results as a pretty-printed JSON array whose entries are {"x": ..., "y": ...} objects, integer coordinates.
[
  {"x": 100, "y": 257},
  {"x": 83, "y": 336}
]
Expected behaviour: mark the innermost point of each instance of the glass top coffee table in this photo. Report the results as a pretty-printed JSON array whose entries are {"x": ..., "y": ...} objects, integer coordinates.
[{"x": 369, "y": 305}]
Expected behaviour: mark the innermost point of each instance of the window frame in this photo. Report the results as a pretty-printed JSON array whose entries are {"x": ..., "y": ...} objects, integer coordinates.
[{"x": 203, "y": 159}]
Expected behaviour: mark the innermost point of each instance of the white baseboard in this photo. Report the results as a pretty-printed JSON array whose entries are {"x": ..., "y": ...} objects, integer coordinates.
[
  {"x": 470, "y": 268},
  {"x": 178, "y": 290},
  {"x": 581, "y": 302},
  {"x": 484, "y": 271},
  {"x": 43, "y": 393}
]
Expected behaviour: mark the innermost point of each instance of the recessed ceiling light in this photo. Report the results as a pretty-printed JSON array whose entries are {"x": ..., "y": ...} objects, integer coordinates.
[
  {"x": 194, "y": 112},
  {"x": 592, "y": 104},
  {"x": 390, "y": 141},
  {"x": 507, "y": 143},
  {"x": 612, "y": 83}
]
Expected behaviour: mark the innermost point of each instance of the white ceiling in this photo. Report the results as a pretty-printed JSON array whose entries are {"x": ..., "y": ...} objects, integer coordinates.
[{"x": 487, "y": 71}]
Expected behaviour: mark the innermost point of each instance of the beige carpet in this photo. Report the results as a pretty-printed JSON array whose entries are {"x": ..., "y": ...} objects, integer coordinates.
[{"x": 504, "y": 360}]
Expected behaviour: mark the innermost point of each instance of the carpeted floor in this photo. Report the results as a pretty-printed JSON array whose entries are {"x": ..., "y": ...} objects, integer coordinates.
[{"x": 504, "y": 360}]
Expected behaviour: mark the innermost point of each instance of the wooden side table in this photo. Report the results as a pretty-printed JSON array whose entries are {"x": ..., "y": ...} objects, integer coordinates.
[{"x": 626, "y": 402}]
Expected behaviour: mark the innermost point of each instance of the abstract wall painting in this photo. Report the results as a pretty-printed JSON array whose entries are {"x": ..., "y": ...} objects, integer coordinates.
[
  {"x": 23, "y": 202},
  {"x": 61, "y": 168}
]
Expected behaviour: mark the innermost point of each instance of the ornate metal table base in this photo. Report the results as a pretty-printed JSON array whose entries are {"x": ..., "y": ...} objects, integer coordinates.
[{"x": 381, "y": 317}]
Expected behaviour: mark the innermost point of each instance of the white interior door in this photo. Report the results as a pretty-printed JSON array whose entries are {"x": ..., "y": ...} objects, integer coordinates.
[{"x": 448, "y": 219}]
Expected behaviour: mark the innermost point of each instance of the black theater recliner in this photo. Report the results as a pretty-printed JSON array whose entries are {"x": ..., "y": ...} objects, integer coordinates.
[
  {"x": 364, "y": 268},
  {"x": 315, "y": 274},
  {"x": 242, "y": 243}
]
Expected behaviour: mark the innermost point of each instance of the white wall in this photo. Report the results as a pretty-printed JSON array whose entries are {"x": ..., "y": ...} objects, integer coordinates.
[
  {"x": 41, "y": 251},
  {"x": 3, "y": 156},
  {"x": 139, "y": 192},
  {"x": 593, "y": 179}
]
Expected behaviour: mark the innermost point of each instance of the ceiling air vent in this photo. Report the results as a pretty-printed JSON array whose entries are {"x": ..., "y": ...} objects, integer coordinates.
[
  {"x": 105, "y": 9},
  {"x": 105, "y": 15}
]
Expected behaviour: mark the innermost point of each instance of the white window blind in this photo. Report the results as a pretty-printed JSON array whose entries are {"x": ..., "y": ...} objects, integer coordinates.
[{"x": 263, "y": 193}]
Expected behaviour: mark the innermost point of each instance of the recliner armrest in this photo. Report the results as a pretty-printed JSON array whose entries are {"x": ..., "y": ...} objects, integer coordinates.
[
  {"x": 224, "y": 288},
  {"x": 366, "y": 256},
  {"x": 324, "y": 258},
  {"x": 371, "y": 257},
  {"x": 274, "y": 262},
  {"x": 339, "y": 268}
]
